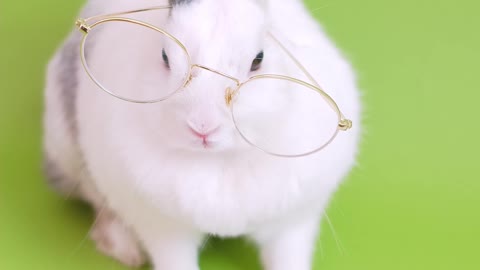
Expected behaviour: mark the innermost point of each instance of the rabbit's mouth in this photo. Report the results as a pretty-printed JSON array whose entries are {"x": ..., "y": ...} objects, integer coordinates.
[
  {"x": 206, "y": 139},
  {"x": 207, "y": 143}
]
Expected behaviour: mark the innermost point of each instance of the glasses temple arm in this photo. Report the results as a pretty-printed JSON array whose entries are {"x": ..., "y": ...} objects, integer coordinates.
[
  {"x": 294, "y": 59},
  {"x": 343, "y": 122},
  {"x": 99, "y": 17}
]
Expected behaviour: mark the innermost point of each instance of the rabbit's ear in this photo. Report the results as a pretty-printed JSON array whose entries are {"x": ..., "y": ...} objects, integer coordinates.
[{"x": 179, "y": 2}]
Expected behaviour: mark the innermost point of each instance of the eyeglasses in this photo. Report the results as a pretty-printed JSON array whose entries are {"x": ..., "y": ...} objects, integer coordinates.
[{"x": 278, "y": 114}]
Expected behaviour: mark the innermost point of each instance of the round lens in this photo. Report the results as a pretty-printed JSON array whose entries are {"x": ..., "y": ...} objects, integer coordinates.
[
  {"x": 284, "y": 116},
  {"x": 135, "y": 62}
]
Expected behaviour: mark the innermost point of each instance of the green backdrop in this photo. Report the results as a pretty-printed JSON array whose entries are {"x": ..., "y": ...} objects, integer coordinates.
[{"x": 412, "y": 203}]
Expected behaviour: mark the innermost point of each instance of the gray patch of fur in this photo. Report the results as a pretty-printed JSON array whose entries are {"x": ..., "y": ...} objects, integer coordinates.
[
  {"x": 179, "y": 2},
  {"x": 68, "y": 82},
  {"x": 56, "y": 178}
]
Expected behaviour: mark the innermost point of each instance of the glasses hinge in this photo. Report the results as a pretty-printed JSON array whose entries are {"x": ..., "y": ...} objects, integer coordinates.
[
  {"x": 82, "y": 26},
  {"x": 229, "y": 96},
  {"x": 187, "y": 82},
  {"x": 345, "y": 124}
]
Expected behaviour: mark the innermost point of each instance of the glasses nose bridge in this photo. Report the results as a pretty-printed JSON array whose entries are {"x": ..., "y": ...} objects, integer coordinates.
[
  {"x": 229, "y": 92},
  {"x": 237, "y": 81}
]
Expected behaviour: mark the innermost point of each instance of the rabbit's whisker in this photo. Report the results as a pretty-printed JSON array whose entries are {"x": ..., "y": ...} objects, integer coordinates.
[
  {"x": 84, "y": 239},
  {"x": 340, "y": 247}
]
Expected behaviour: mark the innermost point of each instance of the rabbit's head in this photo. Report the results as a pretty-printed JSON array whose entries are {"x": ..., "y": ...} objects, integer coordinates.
[{"x": 206, "y": 49}]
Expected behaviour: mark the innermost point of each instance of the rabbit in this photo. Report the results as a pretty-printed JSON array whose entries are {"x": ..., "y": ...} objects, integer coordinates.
[{"x": 162, "y": 177}]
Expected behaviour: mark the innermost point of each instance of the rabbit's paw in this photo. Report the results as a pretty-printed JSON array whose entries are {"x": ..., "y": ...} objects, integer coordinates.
[{"x": 114, "y": 239}]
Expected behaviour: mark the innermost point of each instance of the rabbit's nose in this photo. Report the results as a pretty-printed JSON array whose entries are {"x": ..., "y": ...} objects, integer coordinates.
[
  {"x": 202, "y": 130},
  {"x": 203, "y": 134}
]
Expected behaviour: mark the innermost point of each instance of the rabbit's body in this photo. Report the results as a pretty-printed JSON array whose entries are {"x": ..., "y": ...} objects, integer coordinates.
[{"x": 137, "y": 161}]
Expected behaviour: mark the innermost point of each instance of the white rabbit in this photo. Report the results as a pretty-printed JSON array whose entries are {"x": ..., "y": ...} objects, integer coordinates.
[{"x": 156, "y": 187}]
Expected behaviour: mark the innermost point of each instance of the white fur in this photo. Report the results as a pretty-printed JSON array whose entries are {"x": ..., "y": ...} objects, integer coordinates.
[{"x": 163, "y": 184}]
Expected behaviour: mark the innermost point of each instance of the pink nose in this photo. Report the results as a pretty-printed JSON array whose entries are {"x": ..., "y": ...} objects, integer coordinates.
[{"x": 202, "y": 132}]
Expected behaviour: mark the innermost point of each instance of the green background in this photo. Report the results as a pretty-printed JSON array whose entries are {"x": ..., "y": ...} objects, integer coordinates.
[{"x": 412, "y": 203}]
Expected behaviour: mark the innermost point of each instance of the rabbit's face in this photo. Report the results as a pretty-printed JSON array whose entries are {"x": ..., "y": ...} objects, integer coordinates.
[
  {"x": 226, "y": 36},
  {"x": 229, "y": 37}
]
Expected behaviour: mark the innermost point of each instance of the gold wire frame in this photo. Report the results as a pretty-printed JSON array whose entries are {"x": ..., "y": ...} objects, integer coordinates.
[{"x": 83, "y": 25}]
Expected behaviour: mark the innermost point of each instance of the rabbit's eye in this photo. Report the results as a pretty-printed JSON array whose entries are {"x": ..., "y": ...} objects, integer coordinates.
[
  {"x": 165, "y": 58},
  {"x": 257, "y": 62}
]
